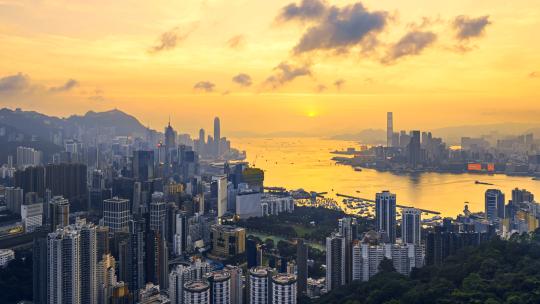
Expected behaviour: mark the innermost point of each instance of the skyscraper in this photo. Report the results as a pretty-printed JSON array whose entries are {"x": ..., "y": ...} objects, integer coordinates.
[
  {"x": 302, "y": 266},
  {"x": 221, "y": 194},
  {"x": 88, "y": 262},
  {"x": 158, "y": 212},
  {"x": 284, "y": 289},
  {"x": 385, "y": 214},
  {"x": 415, "y": 152},
  {"x": 494, "y": 205},
  {"x": 14, "y": 199},
  {"x": 217, "y": 137},
  {"x": 237, "y": 291},
  {"x": 335, "y": 261},
  {"x": 58, "y": 212},
  {"x": 220, "y": 286},
  {"x": 411, "y": 226},
  {"x": 389, "y": 128},
  {"x": 116, "y": 214},
  {"x": 197, "y": 292},
  {"x": 143, "y": 165},
  {"x": 348, "y": 228},
  {"x": 260, "y": 285},
  {"x": 64, "y": 277}
]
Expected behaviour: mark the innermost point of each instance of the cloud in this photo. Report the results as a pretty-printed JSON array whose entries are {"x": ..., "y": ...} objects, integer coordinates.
[
  {"x": 413, "y": 43},
  {"x": 307, "y": 10},
  {"x": 70, "y": 84},
  {"x": 534, "y": 75},
  {"x": 236, "y": 42},
  {"x": 205, "y": 86},
  {"x": 286, "y": 72},
  {"x": 342, "y": 28},
  {"x": 467, "y": 27},
  {"x": 170, "y": 39},
  {"x": 242, "y": 79},
  {"x": 339, "y": 83},
  {"x": 14, "y": 84},
  {"x": 320, "y": 88}
]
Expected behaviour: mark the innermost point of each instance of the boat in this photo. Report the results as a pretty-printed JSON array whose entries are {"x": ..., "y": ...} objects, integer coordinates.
[
  {"x": 358, "y": 169},
  {"x": 482, "y": 183},
  {"x": 536, "y": 178}
]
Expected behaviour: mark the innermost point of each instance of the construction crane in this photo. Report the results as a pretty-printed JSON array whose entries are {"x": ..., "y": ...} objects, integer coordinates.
[{"x": 399, "y": 206}]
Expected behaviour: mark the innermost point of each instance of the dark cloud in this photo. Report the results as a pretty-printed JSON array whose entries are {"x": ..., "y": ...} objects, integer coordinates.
[
  {"x": 206, "y": 86},
  {"x": 342, "y": 28},
  {"x": 307, "y": 10},
  {"x": 413, "y": 43},
  {"x": 236, "y": 42},
  {"x": 70, "y": 84},
  {"x": 286, "y": 72},
  {"x": 467, "y": 27},
  {"x": 339, "y": 83},
  {"x": 242, "y": 79},
  {"x": 14, "y": 84},
  {"x": 170, "y": 39},
  {"x": 534, "y": 75}
]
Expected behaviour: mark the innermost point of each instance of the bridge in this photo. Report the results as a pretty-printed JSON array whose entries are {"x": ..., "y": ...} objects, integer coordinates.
[{"x": 399, "y": 206}]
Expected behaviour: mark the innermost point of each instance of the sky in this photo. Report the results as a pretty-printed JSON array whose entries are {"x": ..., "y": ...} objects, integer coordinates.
[{"x": 312, "y": 66}]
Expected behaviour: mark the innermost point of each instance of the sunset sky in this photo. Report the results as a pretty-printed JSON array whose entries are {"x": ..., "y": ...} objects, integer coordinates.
[{"x": 265, "y": 66}]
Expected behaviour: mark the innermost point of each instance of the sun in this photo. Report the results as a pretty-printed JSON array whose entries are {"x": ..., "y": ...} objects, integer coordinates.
[{"x": 312, "y": 114}]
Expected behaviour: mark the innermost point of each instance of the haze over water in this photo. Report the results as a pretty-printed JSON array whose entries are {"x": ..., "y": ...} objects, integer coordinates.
[{"x": 307, "y": 163}]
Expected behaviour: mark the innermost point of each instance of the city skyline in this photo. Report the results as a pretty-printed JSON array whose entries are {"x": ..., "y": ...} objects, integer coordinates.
[{"x": 461, "y": 57}]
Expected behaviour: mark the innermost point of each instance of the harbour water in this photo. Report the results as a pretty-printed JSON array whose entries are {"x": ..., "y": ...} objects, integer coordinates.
[{"x": 307, "y": 163}]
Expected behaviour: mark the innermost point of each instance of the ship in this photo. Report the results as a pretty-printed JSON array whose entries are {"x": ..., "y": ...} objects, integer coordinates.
[{"x": 482, "y": 183}]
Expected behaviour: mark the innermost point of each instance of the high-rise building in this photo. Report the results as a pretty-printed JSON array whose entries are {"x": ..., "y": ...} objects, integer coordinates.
[
  {"x": 197, "y": 292},
  {"x": 302, "y": 266},
  {"x": 221, "y": 194},
  {"x": 389, "y": 128},
  {"x": 14, "y": 199},
  {"x": 237, "y": 291},
  {"x": 415, "y": 152},
  {"x": 31, "y": 179},
  {"x": 158, "y": 212},
  {"x": 348, "y": 228},
  {"x": 284, "y": 290},
  {"x": 69, "y": 181},
  {"x": 28, "y": 157},
  {"x": 182, "y": 274},
  {"x": 411, "y": 225},
  {"x": 367, "y": 257},
  {"x": 520, "y": 196},
  {"x": 260, "y": 285},
  {"x": 217, "y": 137},
  {"x": 228, "y": 241},
  {"x": 385, "y": 215},
  {"x": 143, "y": 165},
  {"x": 72, "y": 264},
  {"x": 181, "y": 233},
  {"x": 494, "y": 205},
  {"x": 58, "y": 212},
  {"x": 88, "y": 263},
  {"x": 32, "y": 216},
  {"x": 335, "y": 261},
  {"x": 220, "y": 286},
  {"x": 170, "y": 142},
  {"x": 64, "y": 277},
  {"x": 116, "y": 214},
  {"x": 39, "y": 266}
]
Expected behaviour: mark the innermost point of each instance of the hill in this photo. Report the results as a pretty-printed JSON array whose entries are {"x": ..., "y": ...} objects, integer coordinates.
[{"x": 495, "y": 272}]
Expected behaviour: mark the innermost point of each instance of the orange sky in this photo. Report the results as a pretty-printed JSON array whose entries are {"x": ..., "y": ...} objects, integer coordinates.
[{"x": 264, "y": 68}]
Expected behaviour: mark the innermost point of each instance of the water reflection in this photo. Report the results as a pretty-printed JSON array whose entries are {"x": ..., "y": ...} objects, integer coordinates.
[{"x": 306, "y": 163}]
